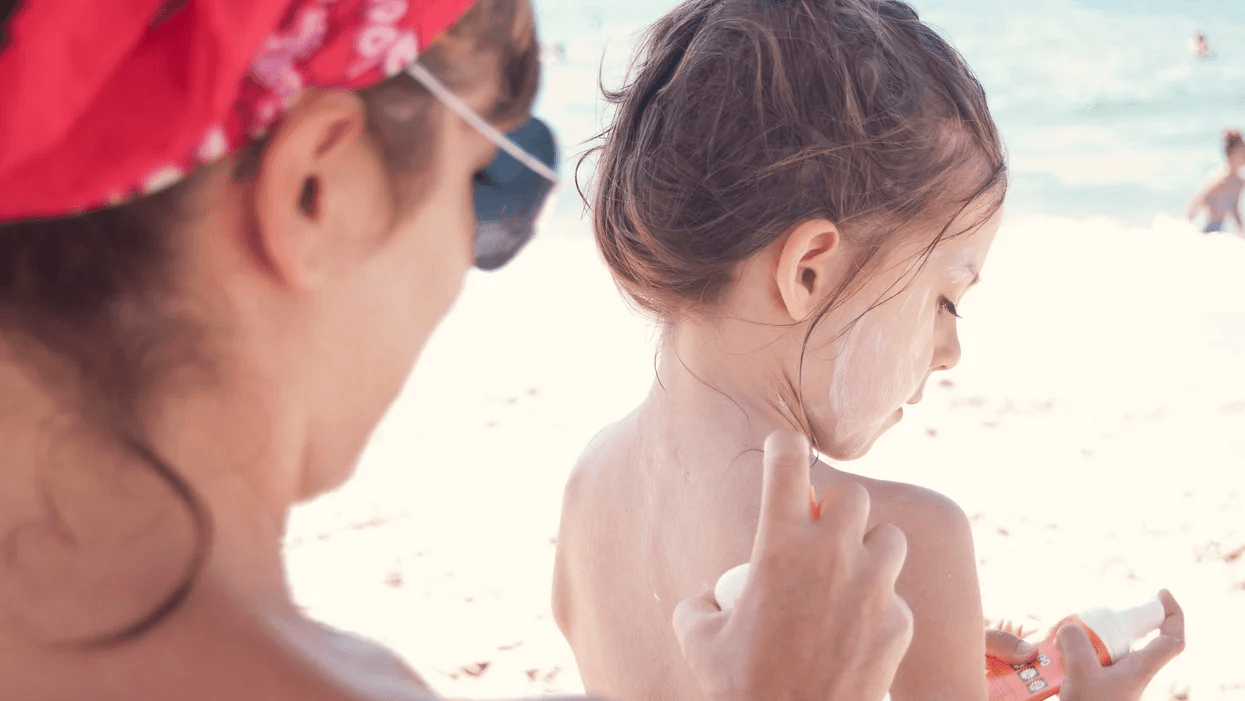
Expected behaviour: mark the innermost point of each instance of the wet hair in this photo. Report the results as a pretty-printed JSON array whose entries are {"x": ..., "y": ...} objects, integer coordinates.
[
  {"x": 741, "y": 118},
  {"x": 1232, "y": 141},
  {"x": 88, "y": 303}
]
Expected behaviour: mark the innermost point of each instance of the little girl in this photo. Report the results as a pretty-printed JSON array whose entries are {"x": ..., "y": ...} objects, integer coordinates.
[{"x": 801, "y": 192}]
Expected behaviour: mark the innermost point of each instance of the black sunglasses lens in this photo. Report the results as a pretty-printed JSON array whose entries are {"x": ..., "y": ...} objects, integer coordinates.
[{"x": 509, "y": 197}]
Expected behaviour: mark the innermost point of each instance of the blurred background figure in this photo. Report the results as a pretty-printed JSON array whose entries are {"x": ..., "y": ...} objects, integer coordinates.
[
  {"x": 1221, "y": 198},
  {"x": 556, "y": 53},
  {"x": 1199, "y": 46}
]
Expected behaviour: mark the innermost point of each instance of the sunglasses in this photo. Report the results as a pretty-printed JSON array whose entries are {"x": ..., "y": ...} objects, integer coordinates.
[{"x": 512, "y": 191}]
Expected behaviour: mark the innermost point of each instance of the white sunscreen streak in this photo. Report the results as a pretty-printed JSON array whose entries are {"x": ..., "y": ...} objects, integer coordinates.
[
  {"x": 842, "y": 359},
  {"x": 867, "y": 363}
]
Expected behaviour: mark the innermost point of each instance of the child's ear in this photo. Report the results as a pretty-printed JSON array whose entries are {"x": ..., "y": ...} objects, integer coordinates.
[{"x": 805, "y": 265}]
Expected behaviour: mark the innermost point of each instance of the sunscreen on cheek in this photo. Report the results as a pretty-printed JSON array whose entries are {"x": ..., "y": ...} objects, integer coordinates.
[{"x": 1111, "y": 632}]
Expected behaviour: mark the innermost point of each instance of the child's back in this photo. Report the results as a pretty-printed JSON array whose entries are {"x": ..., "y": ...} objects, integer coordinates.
[{"x": 646, "y": 524}]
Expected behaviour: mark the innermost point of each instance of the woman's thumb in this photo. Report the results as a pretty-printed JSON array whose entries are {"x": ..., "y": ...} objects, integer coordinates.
[
  {"x": 697, "y": 621},
  {"x": 1079, "y": 660}
]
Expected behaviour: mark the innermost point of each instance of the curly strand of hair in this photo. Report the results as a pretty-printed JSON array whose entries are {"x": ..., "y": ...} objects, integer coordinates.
[
  {"x": 198, "y": 557},
  {"x": 76, "y": 305}
]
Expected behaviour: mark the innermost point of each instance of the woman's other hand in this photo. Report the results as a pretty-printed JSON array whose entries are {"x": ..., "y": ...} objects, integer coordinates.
[
  {"x": 818, "y": 618},
  {"x": 1086, "y": 680}
]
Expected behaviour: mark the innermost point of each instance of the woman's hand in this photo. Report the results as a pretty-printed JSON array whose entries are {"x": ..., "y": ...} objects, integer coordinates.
[
  {"x": 1086, "y": 680},
  {"x": 819, "y": 618}
]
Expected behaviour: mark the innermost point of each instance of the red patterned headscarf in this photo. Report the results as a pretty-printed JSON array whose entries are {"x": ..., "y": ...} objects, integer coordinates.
[{"x": 104, "y": 100}]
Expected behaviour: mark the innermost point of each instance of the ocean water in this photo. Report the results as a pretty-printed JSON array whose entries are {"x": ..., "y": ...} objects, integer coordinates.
[{"x": 1103, "y": 107}]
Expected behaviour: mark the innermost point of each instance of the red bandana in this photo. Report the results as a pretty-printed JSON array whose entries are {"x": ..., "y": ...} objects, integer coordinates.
[{"x": 104, "y": 100}]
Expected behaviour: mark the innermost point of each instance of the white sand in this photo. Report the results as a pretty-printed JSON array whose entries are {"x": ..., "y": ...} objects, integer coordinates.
[{"x": 1094, "y": 433}]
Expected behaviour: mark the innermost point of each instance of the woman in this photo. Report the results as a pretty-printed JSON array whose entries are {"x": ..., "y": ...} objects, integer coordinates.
[{"x": 200, "y": 200}]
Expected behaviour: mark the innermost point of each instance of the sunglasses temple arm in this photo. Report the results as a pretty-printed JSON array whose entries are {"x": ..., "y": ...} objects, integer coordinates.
[{"x": 449, "y": 99}]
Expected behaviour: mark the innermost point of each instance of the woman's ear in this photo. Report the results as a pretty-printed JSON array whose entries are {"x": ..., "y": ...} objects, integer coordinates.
[
  {"x": 322, "y": 196},
  {"x": 805, "y": 265}
]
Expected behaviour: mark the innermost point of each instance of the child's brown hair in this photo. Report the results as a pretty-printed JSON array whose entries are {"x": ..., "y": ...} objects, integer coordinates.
[{"x": 744, "y": 117}]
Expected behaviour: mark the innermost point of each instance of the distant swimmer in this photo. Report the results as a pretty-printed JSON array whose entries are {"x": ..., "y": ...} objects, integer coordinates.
[
  {"x": 1222, "y": 197},
  {"x": 1200, "y": 47}
]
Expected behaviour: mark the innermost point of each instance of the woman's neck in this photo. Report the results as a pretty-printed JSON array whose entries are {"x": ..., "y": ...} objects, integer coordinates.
[
  {"x": 239, "y": 446},
  {"x": 102, "y": 535}
]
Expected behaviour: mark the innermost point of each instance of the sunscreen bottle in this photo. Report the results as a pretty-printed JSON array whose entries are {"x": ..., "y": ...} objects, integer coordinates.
[{"x": 1111, "y": 632}]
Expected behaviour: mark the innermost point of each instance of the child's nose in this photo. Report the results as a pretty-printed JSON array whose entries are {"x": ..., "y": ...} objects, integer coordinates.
[{"x": 947, "y": 354}]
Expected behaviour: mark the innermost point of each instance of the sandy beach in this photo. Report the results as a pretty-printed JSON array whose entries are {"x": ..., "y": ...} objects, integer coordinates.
[{"x": 1094, "y": 433}]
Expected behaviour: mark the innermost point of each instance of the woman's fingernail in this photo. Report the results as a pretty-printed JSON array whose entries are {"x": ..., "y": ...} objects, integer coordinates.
[{"x": 1026, "y": 648}]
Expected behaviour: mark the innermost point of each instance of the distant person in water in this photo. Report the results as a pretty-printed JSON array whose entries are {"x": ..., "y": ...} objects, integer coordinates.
[
  {"x": 1200, "y": 47},
  {"x": 1222, "y": 196}
]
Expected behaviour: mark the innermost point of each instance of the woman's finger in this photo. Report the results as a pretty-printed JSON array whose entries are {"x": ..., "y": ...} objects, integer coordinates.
[
  {"x": 1009, "y": 648},
  {"x": 784, "y": 490},
  {"x": 844, "y": 509},
  {"x": 889, "y": 548},
  {"x": 1173, "y": 618},
  {"x": 1143, "y": 664},
  {"x": 697, "y": 621},
  {"x": 1079, "y": 661}
]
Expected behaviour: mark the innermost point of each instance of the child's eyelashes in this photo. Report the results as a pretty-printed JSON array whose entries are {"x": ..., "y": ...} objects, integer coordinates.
[{"x": 950, "y": 307}]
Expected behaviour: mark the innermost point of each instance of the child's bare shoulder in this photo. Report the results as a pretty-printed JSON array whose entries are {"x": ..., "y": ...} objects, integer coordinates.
[
  {"x": 939, "y": 583},
  {"x": 918, "y": 511},
  {"x": 940, "y": 537},
  {"x": 913, "y": 507},
  {"x": 599, "y": 460},
  {"x": 940, "y": 571},
  {"x": 590, "y": 501}
]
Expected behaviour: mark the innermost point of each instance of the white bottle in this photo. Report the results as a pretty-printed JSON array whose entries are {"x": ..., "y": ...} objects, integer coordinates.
[{"x": 730, "y": 585}]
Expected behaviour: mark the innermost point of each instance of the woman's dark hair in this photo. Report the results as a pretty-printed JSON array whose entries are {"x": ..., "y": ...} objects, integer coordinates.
[
  {"x": 7, "y": 9},
  {"x": 1232, "y": 141},
  {"x": 87, "y": 301},
  {"x": 744, "y": 117}
]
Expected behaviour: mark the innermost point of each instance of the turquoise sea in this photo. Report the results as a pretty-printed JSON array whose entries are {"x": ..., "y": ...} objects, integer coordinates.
[{"x": 1104, "y": 108}]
